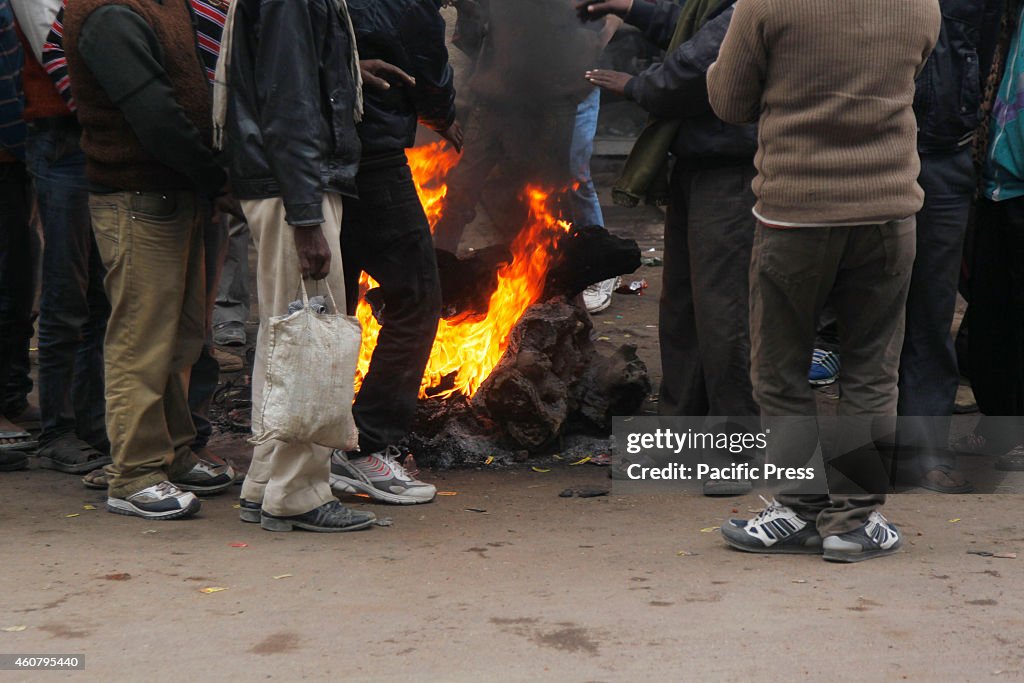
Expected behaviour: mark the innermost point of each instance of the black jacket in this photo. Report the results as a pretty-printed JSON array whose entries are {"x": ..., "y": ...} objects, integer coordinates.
[
  {"x": 949, "y": 88},
  {"x": 290, "y": 126},
  {"x": 677, "y": 88},
  {"x": 411, "y": 35}
]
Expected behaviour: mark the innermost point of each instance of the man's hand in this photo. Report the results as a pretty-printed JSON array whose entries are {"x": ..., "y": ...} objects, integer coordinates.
[
  {"x": 381, "y": 75},
  {"x": 314, "y": 252},
  {"x": 226, "y": 204},
  {"x": 611, "y": 81},
  {"x": 454, "y": 135},
  {"x": 596, "y": 10}
]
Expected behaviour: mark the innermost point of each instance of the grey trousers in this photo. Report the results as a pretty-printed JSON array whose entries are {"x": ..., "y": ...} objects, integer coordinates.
[
  {"x": 865, "y": 272},
  {"x": 703, "y": 326}
]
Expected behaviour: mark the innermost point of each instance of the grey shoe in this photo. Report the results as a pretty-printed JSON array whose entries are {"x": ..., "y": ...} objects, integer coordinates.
[
  {"x": 229, "y": 334},
  {"x": 329, "y": 517},
  {"x": 158, "y": 502},
  {"x": 777, "y": 529},
  {"x": 876, "y": 538},
  {"x": 11, "y": 461},
  {"x": 249, "y": 511},
  {"x": 207, "y": 478},
  {"x": 380, "y": 476}
]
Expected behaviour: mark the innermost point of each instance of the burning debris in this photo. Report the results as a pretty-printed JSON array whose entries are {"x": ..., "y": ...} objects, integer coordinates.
[{"x": 513, "y": 367}]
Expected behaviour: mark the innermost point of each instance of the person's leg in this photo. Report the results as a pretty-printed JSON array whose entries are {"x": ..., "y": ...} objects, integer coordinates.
[
  {"x": 206, "y": 372},
  {"x": 66, "y": 308},
  {"x": 15, "y": 287},
  {"x": 583, "y": 198},
  {"x": 231, "y": 311},
  {"x": 145, "y": 240},
  {"x": 721, "y": 236},
  {"x": 386, "y": 234},
  {"x": 869, "y": 296},
  {"x": 682, "y": 390},
  {"x": 928, "y": 372},
  {"x": 287, "y": 479}
]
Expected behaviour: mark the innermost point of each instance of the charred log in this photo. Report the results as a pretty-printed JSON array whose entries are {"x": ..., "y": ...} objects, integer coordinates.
[{"x": 586, "y": 255}]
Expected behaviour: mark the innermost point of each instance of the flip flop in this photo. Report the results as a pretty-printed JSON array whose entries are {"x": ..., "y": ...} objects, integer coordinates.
[
  {"x": 28, "y": 443},
  {"x": 931, "y": 484},
  {"x": 71, "y": 455},
  {"x": 97, "y": 479}
]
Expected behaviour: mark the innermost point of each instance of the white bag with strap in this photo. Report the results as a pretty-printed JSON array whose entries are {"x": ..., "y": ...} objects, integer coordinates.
[{"x": 311, "y": 368}]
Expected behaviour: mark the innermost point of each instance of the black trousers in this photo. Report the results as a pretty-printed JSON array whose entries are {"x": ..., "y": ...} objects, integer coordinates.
[
  {"x": 385, "y": 233},
  {"x": 704, "y": 315},
  {"x": 15, "y": 288}
]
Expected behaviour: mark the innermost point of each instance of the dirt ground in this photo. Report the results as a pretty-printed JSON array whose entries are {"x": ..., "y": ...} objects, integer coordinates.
[{"x": 506, "y": 581}]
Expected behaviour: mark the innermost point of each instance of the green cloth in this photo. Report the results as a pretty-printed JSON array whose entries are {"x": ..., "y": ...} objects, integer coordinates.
[{"x": 645, "y": 175}]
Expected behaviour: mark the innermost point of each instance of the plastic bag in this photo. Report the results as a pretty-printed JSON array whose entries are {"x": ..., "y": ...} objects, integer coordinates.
[{"x": 311, "y": 368}]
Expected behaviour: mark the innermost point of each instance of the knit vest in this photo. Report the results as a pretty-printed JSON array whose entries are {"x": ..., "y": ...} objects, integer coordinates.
[{"x": 114, "y": 156}]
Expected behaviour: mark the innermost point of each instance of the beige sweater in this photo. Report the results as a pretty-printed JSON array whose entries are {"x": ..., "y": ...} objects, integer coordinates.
[{"x": 832, "y": 84}]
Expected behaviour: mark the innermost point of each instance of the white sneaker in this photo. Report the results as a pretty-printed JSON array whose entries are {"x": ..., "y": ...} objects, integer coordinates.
[
  {"x": 775, "y": 529},
  {"x": 876, "y": 538},
  {"x": 160, "y": 501},
  {"x": 598, "y": 296},
  {"x": 380, "y": 476}
]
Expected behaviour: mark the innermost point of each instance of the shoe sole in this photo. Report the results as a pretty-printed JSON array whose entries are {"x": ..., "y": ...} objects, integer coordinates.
[
  {"x": 278, "y": 524},
  {"x": 850, "y": 558},
  {"x": 123, "y": 507},
  {"x": 205, "y": 490},
  {"x": 772, "y": 550},
  {"x": 822, "y": 382},
  {"x": 15, "y": 467},
  {"x": 250, "y": 516},
  {"x": 48, "y": 463},
  {"x": 340, "y": 484}
]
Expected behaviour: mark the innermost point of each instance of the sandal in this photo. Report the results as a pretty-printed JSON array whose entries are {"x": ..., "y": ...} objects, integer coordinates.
[
  {"x": 97, "y": 479},
  {"x": 26, "y": 443},
  {"x": 945, "y": 480},
  {"x": 1012, "y": 461},
  {"x": 71, "y": 455}
]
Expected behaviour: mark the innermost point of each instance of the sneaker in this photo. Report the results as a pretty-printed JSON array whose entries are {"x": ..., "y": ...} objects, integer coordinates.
[
  {"x": 776, "y": 529},
  {"x": 11, "y": 461},
  {"x": 160, "y": 501},
  {"x": 207, "y": 478},
  {"x": 380, "y": 476},
  {"x": 329, "y": 517},
  {"x": 824, "y": 368},
  {"x": 229, "y": 334},
  {"x": 249, "y": 511},
  {"x": 598, "y": 296},
  {"x": 876, "y": 538}
]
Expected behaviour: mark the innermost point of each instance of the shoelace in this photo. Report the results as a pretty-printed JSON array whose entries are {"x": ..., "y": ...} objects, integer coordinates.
[
  {"x": 390, "y": 456},
  {"x": 167, "y": 488},
  {"x": 770, "y": 507}
]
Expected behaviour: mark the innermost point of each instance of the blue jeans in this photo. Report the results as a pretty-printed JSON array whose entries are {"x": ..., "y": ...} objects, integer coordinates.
[
  {"x": 73, "y": 306},
  {"x": 583, "y": 199},
  {"x": 15, "y": 288}
]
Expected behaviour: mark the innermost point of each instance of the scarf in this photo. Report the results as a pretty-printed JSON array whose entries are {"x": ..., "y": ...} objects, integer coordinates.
[
  {"x": 220, "y": 78},
  {"x": 645, "y": 175}
]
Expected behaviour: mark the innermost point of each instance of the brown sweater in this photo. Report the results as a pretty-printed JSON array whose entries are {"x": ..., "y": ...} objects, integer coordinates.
[{"x": 831, "y": 83}]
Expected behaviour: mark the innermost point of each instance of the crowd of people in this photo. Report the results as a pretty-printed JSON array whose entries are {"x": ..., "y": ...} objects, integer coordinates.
[{"x": 822, "y": 167}]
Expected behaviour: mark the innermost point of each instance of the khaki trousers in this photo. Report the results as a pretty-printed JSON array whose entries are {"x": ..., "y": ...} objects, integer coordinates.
[
  {"x": 287, "y": 478},
  {"x": 152, "y": 247},
  {"x": 864, "y": 271}
]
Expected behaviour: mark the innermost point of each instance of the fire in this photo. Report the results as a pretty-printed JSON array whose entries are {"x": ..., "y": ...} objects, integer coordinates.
[{"x": 467, "y": 349}]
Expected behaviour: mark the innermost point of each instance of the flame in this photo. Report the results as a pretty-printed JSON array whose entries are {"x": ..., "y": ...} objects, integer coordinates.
[{"x": 466, "y": 350}]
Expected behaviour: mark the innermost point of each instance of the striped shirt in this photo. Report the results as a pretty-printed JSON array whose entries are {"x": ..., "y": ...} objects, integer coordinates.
[
  {"x": 209, "y": 22},
  {"x": 12, "y": 125}
]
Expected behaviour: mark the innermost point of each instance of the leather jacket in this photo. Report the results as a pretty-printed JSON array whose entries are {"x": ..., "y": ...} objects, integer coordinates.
[{"x": 290, "y": 126}]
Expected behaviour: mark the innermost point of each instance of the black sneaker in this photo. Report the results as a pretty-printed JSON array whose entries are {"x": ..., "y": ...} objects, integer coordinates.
[
  {"x": 160, "y": 501},
  {"x": 206, "y": 478},
  {"x": 328, "y": 517},
  {"x": 876, "y": 538},
  {"x": 776, "y": 529},
  {"x": 249, "y": 511},
  {"x": 11, "y": 461}
]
